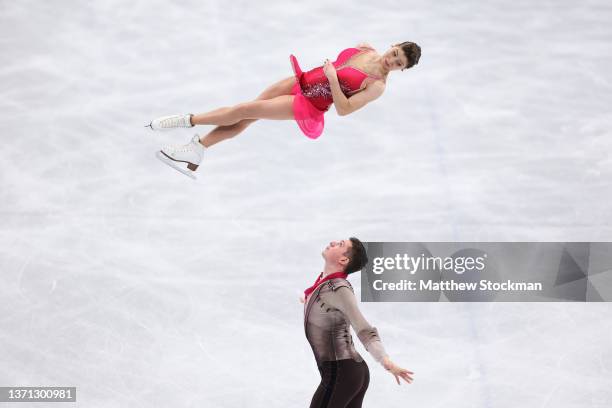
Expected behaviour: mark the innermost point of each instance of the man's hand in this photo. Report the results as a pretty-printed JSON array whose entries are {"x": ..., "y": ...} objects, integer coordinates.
[{"x": 397, "y": 371}]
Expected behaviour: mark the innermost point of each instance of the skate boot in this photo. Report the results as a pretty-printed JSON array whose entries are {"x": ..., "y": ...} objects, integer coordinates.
[
  {"x": 171, "y": 122},
  {"x": 179, "y": 156}
]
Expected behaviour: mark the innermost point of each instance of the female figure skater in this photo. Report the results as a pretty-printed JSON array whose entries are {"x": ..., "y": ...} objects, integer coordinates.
[
  {"x": 329, "y": 308},
  {"x": 357, "y": 77}
]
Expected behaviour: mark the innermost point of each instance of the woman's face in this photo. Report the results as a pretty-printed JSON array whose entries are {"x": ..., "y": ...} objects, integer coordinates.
[{"x": 394, "y": 59}]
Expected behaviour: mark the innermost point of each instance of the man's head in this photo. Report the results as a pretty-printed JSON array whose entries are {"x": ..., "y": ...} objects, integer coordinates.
[{"x": 348, "y": 255}]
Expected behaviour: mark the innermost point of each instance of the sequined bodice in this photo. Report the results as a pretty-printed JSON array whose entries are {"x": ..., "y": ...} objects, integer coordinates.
[
  {"x": 315, "y": 85},
  {"x": 322, "y": 90}
]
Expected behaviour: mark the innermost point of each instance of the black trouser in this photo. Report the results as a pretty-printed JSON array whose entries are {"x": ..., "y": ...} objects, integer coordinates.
[{"x": 343, "y": 384}]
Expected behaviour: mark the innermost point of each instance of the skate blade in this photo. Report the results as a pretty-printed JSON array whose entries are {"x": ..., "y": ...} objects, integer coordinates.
[{"x": 175, "y": 165}]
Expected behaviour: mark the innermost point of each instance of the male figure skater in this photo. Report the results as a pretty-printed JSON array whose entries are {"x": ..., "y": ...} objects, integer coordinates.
[{"x": 330, "y": 307}]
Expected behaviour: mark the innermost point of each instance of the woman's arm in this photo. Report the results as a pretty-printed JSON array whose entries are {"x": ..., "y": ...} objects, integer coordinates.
[{"x": 345, "y": 105}]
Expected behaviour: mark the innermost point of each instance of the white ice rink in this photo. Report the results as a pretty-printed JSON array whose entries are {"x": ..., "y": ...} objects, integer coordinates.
[{"x": 144, "y": 289}]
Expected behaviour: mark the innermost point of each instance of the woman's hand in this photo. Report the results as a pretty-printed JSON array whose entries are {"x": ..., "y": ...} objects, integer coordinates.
[
  {"x": 397, "y": 371},
  {"x": 329, "y": 70}
]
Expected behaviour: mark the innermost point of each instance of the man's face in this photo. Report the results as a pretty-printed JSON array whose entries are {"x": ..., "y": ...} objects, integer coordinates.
[{"x": 336, "y": 252}]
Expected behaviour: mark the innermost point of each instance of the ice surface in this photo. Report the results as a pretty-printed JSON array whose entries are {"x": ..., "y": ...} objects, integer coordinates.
[{"x": 145, "y": 289}]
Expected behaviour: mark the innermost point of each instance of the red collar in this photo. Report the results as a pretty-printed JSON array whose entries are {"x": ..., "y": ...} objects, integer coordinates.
[{"x": 319, "y": 281}]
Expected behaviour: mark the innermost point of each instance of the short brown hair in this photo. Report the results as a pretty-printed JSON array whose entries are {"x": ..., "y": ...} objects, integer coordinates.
[
  {"x": 412, "y": 52},
  {"x": 358, "y": 258}
]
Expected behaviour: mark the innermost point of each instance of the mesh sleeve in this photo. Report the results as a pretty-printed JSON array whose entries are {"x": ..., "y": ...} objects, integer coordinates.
[{"x": 344, "y": 300}]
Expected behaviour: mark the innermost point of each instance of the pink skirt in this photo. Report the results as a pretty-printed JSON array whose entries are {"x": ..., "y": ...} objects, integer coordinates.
[{"x": 310, "y": 119}]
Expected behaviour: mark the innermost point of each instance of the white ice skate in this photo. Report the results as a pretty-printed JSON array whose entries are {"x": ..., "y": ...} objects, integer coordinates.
[
  {"x": 178, "y": 156},
  {"x": 171, "y": 122}
]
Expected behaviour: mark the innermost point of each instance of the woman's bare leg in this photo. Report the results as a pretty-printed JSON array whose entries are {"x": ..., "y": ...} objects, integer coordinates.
[
  {"x": 278, "y": 108},
  {"x": 229, "y": 115},
  {"x": 221, "y": 133}
]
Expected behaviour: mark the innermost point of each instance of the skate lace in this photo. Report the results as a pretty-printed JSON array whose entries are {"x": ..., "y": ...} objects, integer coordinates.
[
  {"x": 182, "y": 149},
  {"x": 171, "y": 122}
]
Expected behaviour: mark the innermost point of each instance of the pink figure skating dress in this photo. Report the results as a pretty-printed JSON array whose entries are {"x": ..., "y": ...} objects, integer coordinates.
[{"x": 313, "y": 95}]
